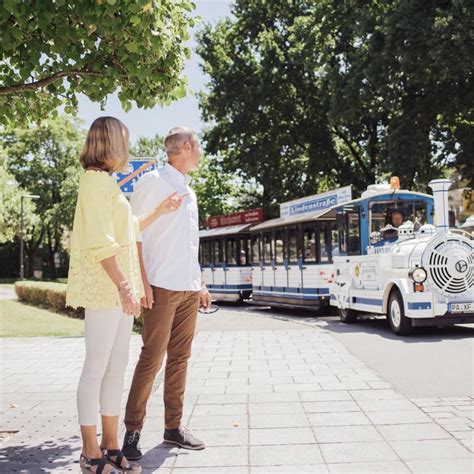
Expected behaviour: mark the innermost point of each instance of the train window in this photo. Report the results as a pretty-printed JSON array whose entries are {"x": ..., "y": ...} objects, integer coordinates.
[
  {"x": 205, "y": 257},
  {"x": 309, "y": 243},
  {"x": 217, "y": 252},
  {"x": 278, "y": 247},
  {"x": 324, "y": 242},
  {"x": 255, "y": 249},
  {"x": 267, "y": 247},
  {"x": 353, "y": 229},
  {"x": 293, "y": 245},
  {"x": 386, "y": 217},
  {"x": 231, "y": 251}
]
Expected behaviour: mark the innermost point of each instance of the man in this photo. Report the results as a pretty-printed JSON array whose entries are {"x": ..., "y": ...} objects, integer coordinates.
[
  {"x": 173, "y": 290},
  {"x": 390, "y": 232}
]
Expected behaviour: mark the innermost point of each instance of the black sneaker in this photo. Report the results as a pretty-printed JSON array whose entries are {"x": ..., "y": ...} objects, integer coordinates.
[
  {"x": 131, "y": 446},
  {"x": 183, "y": 438}
]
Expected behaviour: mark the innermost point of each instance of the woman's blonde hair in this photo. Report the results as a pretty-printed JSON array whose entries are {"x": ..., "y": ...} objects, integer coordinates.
[{"x": 106, "y": 145}]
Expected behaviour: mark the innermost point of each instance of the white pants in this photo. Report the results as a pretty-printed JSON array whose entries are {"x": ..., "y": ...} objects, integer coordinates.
[{"x": 107, "y": 338}]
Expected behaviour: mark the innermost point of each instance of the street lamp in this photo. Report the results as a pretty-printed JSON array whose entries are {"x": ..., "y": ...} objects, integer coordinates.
[{"x": 22, "y": 265}]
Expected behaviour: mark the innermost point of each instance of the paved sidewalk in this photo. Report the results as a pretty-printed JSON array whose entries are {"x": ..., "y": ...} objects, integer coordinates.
[{"x": 264, "y": 400}]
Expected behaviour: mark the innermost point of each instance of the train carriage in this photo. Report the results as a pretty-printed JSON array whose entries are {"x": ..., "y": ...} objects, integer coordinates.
[
  {"x": 292, "y": 255},
  {"x": 226, "y": 254},
  {"x": 416, "y": 273}
]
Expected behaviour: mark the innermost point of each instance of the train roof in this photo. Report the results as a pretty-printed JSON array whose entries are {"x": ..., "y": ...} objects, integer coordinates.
[
  {"x": 368, "y": 195},
  {"x": 220, "y": 231},
  {"x": 307, "y": 216},
  {"x": 330, "y": 213}
]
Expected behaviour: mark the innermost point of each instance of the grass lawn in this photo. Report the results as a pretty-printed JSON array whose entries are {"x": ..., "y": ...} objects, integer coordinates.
[{"x": 20, "y": 320}]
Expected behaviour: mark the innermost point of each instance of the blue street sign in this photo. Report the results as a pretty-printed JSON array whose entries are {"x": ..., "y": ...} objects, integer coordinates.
[{"x": 136, "y": 169}]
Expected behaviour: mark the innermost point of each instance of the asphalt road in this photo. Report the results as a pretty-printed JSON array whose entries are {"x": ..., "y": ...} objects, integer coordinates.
[{"x": 433, "y": 362}]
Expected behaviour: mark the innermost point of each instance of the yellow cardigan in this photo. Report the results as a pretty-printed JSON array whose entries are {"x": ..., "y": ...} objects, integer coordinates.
[{"x": 103, "y": 226}]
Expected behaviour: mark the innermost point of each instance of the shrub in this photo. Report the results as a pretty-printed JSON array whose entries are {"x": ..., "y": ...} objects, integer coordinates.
[{"x": 48, "y": 295}]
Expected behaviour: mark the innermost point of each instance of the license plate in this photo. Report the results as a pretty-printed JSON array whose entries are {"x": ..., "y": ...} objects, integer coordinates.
[{"x": 461, "y": 307}]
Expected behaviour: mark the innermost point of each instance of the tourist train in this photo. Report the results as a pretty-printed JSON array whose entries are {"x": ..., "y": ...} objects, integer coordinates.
[{"x": 389, "y": 252}]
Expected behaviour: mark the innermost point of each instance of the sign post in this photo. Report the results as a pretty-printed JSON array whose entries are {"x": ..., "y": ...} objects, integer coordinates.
[{"x": 243, "y": 217}]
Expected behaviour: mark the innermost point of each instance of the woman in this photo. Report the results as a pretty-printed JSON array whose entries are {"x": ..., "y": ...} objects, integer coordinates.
[{"x": 104, "y": 278}]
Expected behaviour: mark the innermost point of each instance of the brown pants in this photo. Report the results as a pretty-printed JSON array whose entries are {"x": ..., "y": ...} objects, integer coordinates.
[{"x": 167, "y": 328}]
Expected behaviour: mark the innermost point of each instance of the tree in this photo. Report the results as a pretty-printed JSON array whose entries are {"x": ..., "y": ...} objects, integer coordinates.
[
  {"x": 51, "y": 51},
  {"x": 149, "y": 148},
  {"x": 43, "y": 159},
  {"x": 309, "y": 95},
  {"x": 268, "y": 116},
  {"x": 10, "y": 197}
]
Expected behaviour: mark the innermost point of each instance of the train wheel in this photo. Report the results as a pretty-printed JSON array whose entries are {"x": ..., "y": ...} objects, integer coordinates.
[
  {"x": 348, "y": 316},
  {"x": 399, "y": 323}
]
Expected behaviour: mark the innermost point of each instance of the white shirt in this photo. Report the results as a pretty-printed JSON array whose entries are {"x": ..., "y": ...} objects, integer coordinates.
[{"x": 171, "y": 242}]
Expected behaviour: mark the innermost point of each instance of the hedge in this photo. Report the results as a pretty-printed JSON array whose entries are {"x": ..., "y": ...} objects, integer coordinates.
[
  {"x": 52, "y": 296},
  {"x": 47, "y": 295}
]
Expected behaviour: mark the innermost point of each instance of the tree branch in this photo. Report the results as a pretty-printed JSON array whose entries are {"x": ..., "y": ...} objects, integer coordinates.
[
  {"x": 32, "y": 86},
  {"x": 354, "y": 152}
]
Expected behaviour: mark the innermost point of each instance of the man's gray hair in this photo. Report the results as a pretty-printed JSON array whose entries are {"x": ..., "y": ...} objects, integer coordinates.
[{"x": 176, "y": 138}]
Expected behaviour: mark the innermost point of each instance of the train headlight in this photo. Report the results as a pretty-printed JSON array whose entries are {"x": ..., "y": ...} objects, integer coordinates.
[{"x": 418, "y": 275}]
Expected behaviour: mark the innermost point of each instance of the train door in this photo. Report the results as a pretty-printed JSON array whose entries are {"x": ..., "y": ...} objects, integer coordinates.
[
  {"x": 294, "y": 258},
  {"x": 268, "y": 278},
  {"x": 280, "y": 276},
  {"x": 231, "y": 276},
  {"x": 205, "y": 258},
  {"x": 218, "y": 261},
  {"x": 309, "y": 270},
  {"x": 257, "y": 271}
]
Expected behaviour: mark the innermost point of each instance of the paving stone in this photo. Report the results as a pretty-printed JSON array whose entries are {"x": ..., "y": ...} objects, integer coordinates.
[
  {"x": 375, "y": 394},
  {"x": 358, "y": 452},
  {"x": 346, "y": 434},
  {"x": 330, "y": 406},
  {"x": 301, "y": 469},
  {"x": 284, "y": 436},
  {"x": 218, "y": 422},
  {"x": 273, "y": 397},
  {"x": 327, "y": 395},
  {"x": 292, "y": 420},
  {"x": 410, "y": 431},
  {"x": 368, "y": 467},
  {"x": 386, "y": 405},
  {"x": 397, "y": 417},
  {"x": 430, "y": 449},
  {"x": 228, "y": 409},
  {"x": 444, "y": 466},
  {"x": 289, "y": 456},
  {"x": 213, "y": 457},
  {"x": 338, "y": 419},
  {"x": 272, "y": 408}
]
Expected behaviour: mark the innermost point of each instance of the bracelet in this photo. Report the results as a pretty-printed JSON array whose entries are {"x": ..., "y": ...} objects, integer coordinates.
[{"x": 124, "y": 289}]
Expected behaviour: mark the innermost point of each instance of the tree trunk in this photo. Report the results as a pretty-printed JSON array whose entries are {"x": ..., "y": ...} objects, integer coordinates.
[{"x": 51, "y": 252}]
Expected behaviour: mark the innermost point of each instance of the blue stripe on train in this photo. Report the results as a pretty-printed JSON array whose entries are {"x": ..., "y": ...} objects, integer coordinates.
[
  {"x": 369, "y": 301},
  {"x": 229, "y": 287},
  {"x": 274, "y": 294},
  {"x": 284, "y": 289},
  {"x": 420, "y": 305}
]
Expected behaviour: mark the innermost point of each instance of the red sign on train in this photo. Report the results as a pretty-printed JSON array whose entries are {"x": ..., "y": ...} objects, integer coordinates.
[{"x": 236, "y": 218}]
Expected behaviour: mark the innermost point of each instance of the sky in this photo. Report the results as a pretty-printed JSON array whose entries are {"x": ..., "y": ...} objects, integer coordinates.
[{"x": 161, "y": 119}]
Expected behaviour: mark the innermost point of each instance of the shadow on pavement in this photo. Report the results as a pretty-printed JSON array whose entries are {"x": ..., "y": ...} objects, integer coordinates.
[
  {"x": 59, "y": 454},
  {"x": 155, "y": 457},
  {"x": 367, "y": 324}
]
